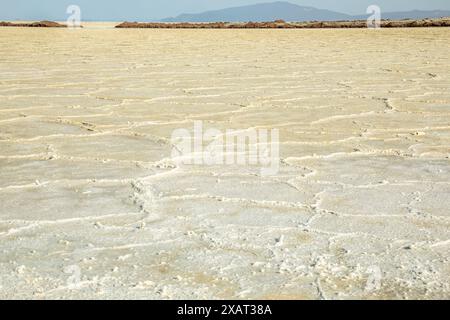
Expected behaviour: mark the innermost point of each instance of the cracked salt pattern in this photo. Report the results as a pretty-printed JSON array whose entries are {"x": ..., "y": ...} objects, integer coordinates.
[{"x": 86, "y": 177}]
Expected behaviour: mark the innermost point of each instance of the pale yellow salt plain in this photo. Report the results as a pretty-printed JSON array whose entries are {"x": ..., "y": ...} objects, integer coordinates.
[{"x": 92, "y": 206}]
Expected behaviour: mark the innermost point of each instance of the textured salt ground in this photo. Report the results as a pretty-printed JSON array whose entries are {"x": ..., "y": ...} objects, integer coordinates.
[{"x": 88, "y": 189}]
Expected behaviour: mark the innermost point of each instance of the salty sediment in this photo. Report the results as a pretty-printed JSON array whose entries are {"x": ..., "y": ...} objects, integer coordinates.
[
  {"x": 93, "y": 206},
  {"x": 281, "y": 24}
]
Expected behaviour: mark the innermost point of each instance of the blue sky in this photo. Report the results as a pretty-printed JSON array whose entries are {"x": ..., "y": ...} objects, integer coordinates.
[{"x": 154, "y": 9}]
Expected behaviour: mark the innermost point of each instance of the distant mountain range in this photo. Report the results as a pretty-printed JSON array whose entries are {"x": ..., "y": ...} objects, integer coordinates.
[{"x": 291, "y": 12}]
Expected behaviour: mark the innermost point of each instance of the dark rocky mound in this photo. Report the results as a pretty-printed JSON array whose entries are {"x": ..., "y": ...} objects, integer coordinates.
[
  {"x": 40, "y": 24},
  {"x": 281, "y": 24}
]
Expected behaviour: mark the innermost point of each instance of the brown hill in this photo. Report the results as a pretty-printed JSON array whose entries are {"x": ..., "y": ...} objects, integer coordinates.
[{"x": 40, "y": 24}]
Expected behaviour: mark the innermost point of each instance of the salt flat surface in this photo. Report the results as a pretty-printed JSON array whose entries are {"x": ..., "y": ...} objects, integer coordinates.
[{"x": 92, "y": 205}]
